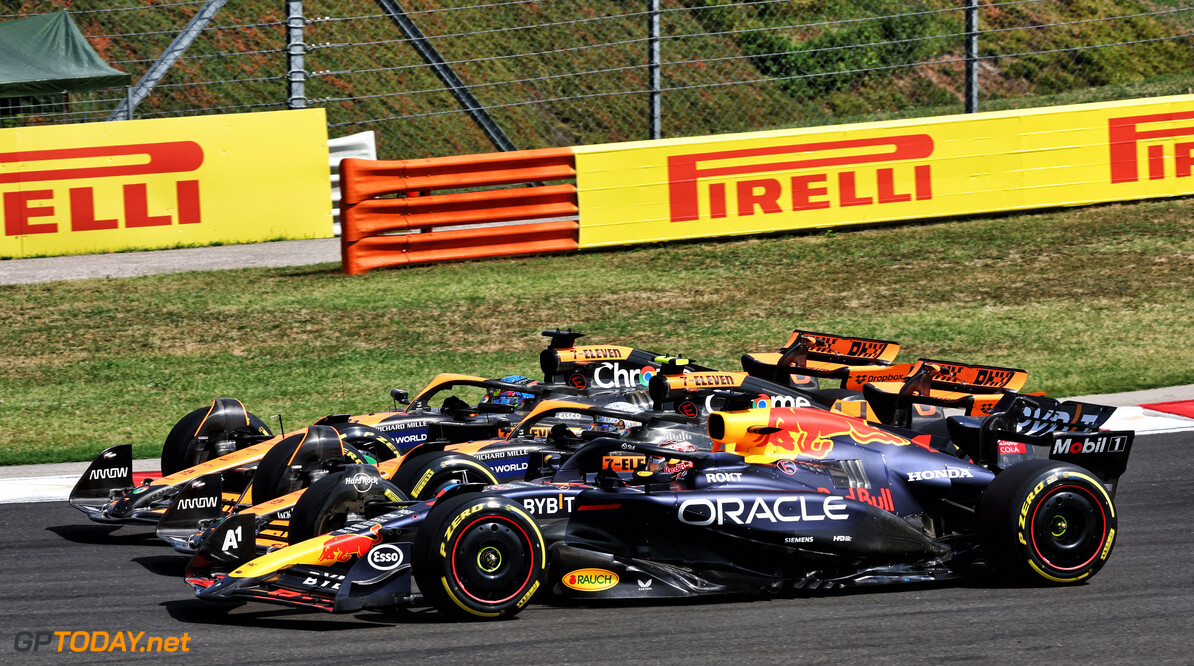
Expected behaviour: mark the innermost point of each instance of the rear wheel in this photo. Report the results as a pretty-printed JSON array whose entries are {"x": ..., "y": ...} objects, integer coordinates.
[
  {"x": 1046, "y": 522},
  {"x": 339, "y": 499},
  {"x": 479, "y": 557},
  {"x": 424, "y": 476}
]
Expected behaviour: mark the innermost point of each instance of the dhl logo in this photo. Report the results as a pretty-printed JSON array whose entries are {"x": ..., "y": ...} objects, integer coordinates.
[
  {"x": 23, "y": 207},
  {"x": 811, "y": 436},
  {"x": 1126, "y": 135},
  {"x": 975, "y": 376},
  {"x": 344, "y": 547},
  {"x": 718, "y": 171}
]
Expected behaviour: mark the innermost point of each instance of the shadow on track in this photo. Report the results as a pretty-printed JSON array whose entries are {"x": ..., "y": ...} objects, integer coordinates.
[
  {"x": 251, "y": 614},
  {"x": 107, "y": 534}
]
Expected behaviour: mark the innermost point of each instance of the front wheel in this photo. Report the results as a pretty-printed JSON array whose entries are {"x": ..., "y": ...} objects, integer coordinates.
[
  {"x": 479, "y": 557},
  {"x": 424, "y": 476},
  {"x": 1046, "y": 522},
  {"x": 339, "y": 499},
  {"x": 210, "y": 432}
]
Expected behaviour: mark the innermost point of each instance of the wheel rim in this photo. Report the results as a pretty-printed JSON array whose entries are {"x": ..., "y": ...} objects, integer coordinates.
[
  {"x": 1069, "y": 528},
  {"x": 492, "y": 561}
]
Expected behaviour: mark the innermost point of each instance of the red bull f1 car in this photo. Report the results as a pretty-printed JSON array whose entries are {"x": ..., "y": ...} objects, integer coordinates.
[{"x": 789, "y": 498}]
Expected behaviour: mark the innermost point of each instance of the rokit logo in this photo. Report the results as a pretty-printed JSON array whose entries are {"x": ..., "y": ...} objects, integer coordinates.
[
  {"x": 847, "y": 173},
  {"x": 59, "y": 207},
  {"x": 1125, "y": 136}
]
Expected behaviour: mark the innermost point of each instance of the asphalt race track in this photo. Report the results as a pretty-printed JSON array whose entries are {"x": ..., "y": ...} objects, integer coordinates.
[{"x": 63, "y": 573}]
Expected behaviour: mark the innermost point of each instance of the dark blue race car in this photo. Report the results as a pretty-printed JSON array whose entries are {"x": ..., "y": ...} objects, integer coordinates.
[{"x": 790, "y": 498}]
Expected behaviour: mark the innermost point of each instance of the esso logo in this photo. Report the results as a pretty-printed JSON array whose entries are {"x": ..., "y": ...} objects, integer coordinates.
[{"x": 385, "y": 557}]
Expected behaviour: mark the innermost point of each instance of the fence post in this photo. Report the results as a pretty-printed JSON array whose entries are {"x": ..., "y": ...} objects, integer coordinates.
[
  {"x": 653, "y": 66},
  {"x": 296, "y": 49},
  {"x": 971, "y": 56}
]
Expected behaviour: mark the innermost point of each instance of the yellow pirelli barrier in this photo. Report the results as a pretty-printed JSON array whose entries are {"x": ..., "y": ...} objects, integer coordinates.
[
  {"x": 103, "y": 187},
  {"x": 878, "y": 172}
]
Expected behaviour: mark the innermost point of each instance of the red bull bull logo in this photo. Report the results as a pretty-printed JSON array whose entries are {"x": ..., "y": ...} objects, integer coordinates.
[
  {"x": 810, "y": 434},
  {"x": 344, "y": 547}
]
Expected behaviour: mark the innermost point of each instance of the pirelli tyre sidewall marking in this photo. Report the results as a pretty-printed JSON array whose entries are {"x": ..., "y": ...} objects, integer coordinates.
[
  {"x": 1024, "y": 525},
  {"x": 538, "y": 551},
  {"x": 418, "y": 489}
]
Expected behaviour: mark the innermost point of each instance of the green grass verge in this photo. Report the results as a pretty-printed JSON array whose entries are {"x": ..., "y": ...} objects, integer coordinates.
[{"x": 1087, "y": 300}]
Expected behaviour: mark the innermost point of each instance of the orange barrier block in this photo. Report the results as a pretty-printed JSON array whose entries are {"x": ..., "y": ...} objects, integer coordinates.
[
  {"x": 514, "y": 240},
  {"x": 377, "y": 216},
  {"x": 369, "y": 221},
  {"x": 367, "y": 179}
]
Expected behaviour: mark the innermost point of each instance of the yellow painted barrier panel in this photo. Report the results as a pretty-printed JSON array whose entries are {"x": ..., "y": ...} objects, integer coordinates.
[
  {"x": 104, "y": 187},
  {"x": 876, "y": 172}
]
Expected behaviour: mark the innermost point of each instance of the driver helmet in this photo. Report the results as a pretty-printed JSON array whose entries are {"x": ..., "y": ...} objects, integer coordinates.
[
  {"x": 518, "y": 399},
  {"x": 672, "y": 466},
  {"x": 613, "y": 424}
]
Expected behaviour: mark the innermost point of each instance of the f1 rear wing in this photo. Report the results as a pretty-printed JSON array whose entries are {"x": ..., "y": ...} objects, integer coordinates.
[
  {"x": 977, "y": 389},
  {"x": 680, "y": 390},
  {"x": 1070, "y": 431},
  {"x": 808, "y": 355},
  {"x": 577, "y": 365}
]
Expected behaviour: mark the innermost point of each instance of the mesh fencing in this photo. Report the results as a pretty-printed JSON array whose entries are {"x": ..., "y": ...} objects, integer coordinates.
[{"x": 571, "y": 72}]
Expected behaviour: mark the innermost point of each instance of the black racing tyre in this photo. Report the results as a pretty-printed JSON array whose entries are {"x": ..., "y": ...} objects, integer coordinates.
[
  {"x": 368, "y": 439},
  {"x": 1046, "y": 522},
  {"x": 182, "y": 450},
  {"x": 426, "y": 474},
  {"x": 339, "y": 499},
  {"x": 479, "y": 557},
  {"x": 284, "y": 468}
]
